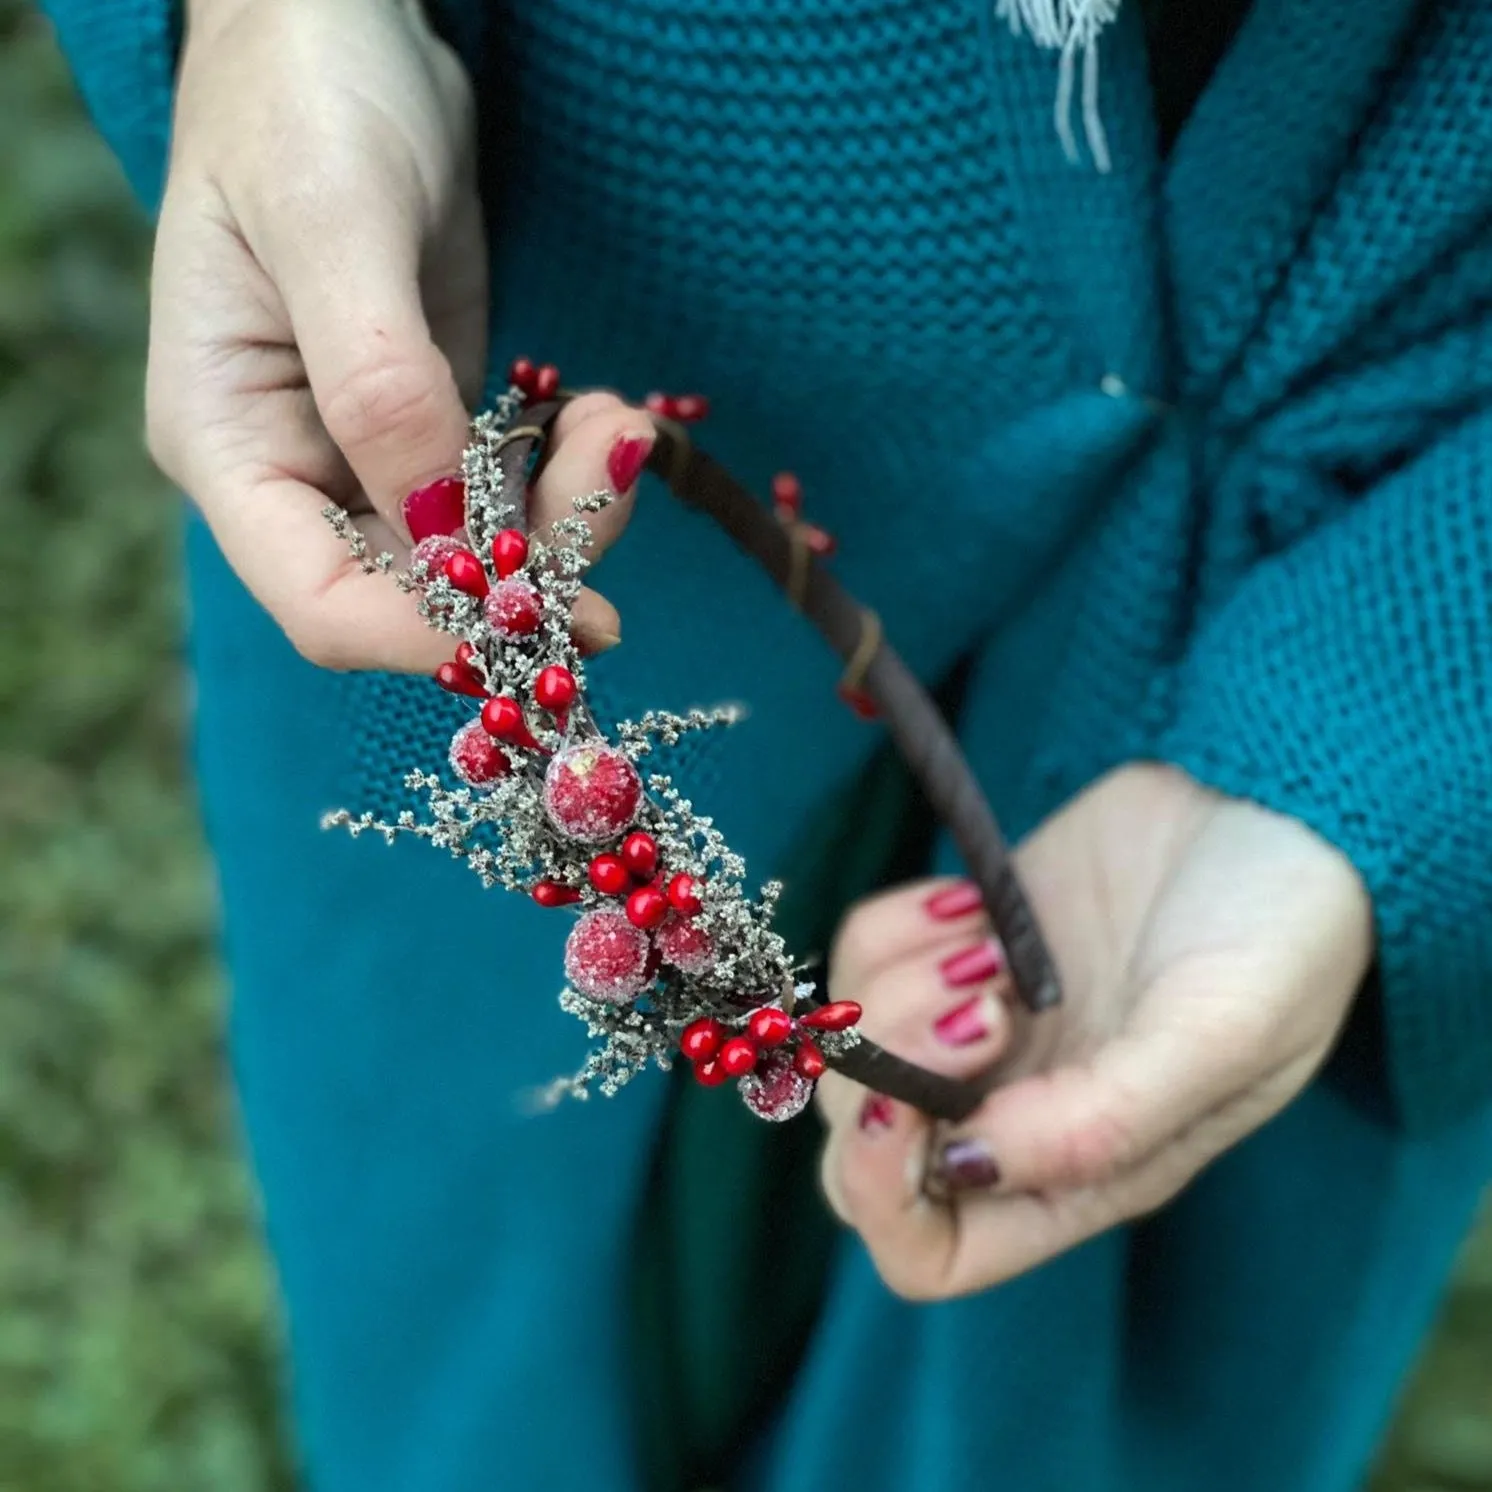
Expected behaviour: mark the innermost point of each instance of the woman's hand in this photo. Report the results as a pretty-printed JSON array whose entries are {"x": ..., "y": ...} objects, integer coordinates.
[
  {"x": 1209, "y": 951},
  {"x": 319, "y": 311}
]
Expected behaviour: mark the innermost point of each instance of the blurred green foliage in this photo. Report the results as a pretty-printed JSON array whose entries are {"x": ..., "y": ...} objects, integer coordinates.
[{"x": 138, "y": 1342}]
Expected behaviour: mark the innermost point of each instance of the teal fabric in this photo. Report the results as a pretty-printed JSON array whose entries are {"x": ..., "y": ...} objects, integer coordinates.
[{"x": 1192, "y": 458}]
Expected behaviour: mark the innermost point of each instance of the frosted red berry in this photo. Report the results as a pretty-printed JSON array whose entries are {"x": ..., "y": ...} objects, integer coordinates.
[
  {"x": 683, "y": 896},
  {"x": 475, "y": 757},
  {"x": 640, "y": 854},
  {"x": 738, "y": 1056},
  {"x": 769, "y": 1026},
  {"x": 428, "y": 558},
  {"x": 686, "y": 945},
  {"x": 464, "y": 570},
  {"x": 513, "y": 608},
  {"x": 776, "y": 1090},
  {"x": 591, "y": 792},
  {"x": 509, "y": 552},
  {"x": 554, "y": 894},
  {"x": 606, "y": 958},
  {"x": 608, "y": 875},
  {"x": 701, "y": 1039},
  {"x": 647, "y": 907}
]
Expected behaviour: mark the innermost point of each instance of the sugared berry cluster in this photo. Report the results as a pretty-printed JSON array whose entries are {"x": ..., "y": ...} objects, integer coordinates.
[{"x": 669, "y": 953}]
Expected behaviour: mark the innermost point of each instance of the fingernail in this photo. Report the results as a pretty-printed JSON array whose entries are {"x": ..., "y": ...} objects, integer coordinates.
[
  {"x": 597, "y": 642},
  {"x": 876, "y": 1113},
  {"x": 439, "y": 507},
  {"x": 967, "y": 1165},
  {"x": 954, "y": 901},
  {"x": 967, "y": 1023},
  {"x": 972, "y": 965},
  {"x": 628, "y": 456}
]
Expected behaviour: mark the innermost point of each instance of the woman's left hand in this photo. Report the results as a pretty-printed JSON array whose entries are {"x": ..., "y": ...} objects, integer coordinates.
[{"x": 1209, "y": 951}]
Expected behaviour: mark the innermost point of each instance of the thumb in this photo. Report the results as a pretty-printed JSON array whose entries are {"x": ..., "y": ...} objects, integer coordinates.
[{"x": 385, "y": 392}]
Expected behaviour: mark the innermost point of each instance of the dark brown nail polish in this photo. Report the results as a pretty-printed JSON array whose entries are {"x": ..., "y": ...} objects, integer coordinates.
[{"x": 967, "y": 1165}]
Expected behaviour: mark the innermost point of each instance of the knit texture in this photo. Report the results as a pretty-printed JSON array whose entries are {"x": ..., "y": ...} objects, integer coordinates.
[{"x": 1192, "y": 458}]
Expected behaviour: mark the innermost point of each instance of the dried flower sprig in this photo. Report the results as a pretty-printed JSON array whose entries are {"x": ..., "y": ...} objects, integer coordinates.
[{"x": 671, "y": 955}]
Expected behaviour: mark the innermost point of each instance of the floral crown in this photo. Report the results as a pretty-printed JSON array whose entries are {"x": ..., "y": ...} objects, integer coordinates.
[{"x": 670, "y": 955}]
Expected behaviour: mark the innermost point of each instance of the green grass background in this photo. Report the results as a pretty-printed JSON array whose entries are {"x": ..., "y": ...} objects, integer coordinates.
[{"x": 138, "y": 1338}]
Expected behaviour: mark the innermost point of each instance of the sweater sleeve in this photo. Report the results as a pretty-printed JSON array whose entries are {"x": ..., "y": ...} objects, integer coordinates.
[
  {"x": 123, "y": 55},
  {"x": 1348, "y": 683}
]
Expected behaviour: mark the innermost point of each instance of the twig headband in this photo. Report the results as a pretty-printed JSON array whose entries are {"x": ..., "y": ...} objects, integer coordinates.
[{"x": 669, "y": 955}]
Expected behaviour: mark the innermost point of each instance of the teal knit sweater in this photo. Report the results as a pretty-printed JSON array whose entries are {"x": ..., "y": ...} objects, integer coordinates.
[
  {"x": 1190, "y": 461},
  {"x": 1231, "y": 414}
]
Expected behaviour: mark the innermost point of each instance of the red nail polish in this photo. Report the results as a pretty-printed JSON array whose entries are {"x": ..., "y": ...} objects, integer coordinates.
[
  {"x": 877, "y": 1112},
  {"x": 964, "y": 1024},
  {"x": 436, "y": 509},
  {"x": 957, "y": 900},
  {"x": 972, "y": 965},
  {"x": 625, "y": 463}
]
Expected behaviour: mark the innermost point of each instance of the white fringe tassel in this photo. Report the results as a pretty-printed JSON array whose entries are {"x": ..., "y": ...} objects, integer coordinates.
[{"x": 1068, "y": 27}]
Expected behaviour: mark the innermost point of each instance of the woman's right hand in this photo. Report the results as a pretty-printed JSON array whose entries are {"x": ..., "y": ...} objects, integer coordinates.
[{"x": 319, "y": 311}]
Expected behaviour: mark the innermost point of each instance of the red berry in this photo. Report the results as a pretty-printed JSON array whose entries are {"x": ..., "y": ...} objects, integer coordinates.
[
  {"x": 521, "y": 374},
  {"x": 661, "y": 404},
  {"x": 787, "y": 494},
  {"x": 428, "y": 558},
  {"x": 554, "y": 894},
  {"x": 810, "y": 1060},
  {"x": 861, "y": 702},
  {"x": 503, "y": 717},
  {"x": 591, "y": 792},
  {"x": 459, "y": 679},
  {"x": 513, "y": 608},
  {"x": 770, "y": 1026},
  {"x": 700, "y": 1040},
  {"x": 475, "y": 757},
  {"x": 608, "y": 875},
  {"x": 466, "y": 654},
  {"x": 509, "y": 552},
  {"x": 546, "y": 382},
  {"x": 640, "y": 854},
  {"x": 606, "y": 958},
  {"x": 682, "y": 896},
  {"x": 646, "y": 907},
  {"x": 738, "y": 1056},
  {"x": 464, "y": 570},
  {"x": 839, "y": 1016},
  {"x": 819, "y": 540},
  {"x": 690, "y": 408},
  {"x": 688, "y": 947},
  {"x": 776, "y": 1090},
  {"x": 436, "y": 509},
  {"x": 710, "y": 1074},
  {"x": 554, "y": 689}
]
